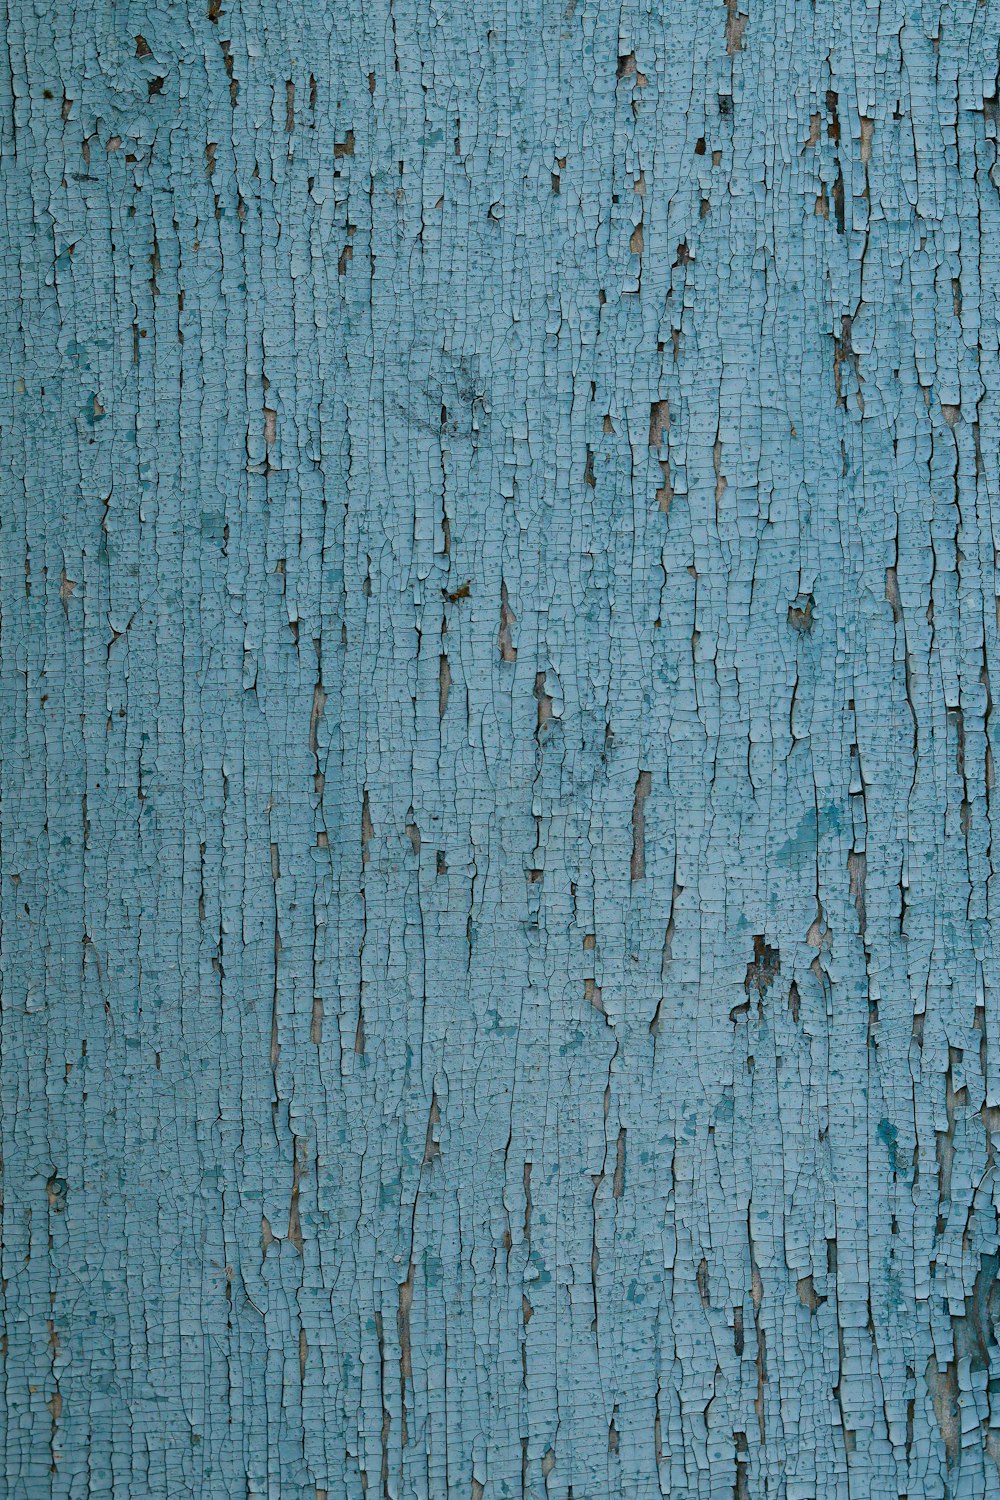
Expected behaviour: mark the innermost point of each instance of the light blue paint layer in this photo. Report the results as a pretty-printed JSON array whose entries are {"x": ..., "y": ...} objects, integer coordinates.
[{"x": 499, "y": 604}]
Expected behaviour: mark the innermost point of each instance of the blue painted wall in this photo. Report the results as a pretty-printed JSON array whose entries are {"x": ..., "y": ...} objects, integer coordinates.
[{"x": 499, "y": 609}]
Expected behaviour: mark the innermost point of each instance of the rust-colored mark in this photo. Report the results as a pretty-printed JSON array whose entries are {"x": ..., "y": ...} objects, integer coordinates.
[
  {"x": 643, "y": 784},
  {"x": 659, "y": 422},
  {"x": 508, "y": 651}
]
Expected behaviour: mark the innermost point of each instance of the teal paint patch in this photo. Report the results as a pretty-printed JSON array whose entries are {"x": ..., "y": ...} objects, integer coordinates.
[
  {"x": 497, "y": 623},
  {"x": 889, "y": 1135}
]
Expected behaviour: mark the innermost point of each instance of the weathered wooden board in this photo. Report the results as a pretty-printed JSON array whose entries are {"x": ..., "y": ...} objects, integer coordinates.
[{"x": 497, "y": 624}]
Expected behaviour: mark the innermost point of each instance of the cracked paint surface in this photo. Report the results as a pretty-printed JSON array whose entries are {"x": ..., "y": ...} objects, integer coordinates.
[{"x": 499, "y": 603}]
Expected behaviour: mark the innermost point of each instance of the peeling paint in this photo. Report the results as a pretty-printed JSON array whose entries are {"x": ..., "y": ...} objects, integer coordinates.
[{"x": 496, "y": 805}]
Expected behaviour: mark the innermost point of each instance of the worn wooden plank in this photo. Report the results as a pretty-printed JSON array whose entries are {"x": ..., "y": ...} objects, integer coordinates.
[{"x": 497, "y": 622}]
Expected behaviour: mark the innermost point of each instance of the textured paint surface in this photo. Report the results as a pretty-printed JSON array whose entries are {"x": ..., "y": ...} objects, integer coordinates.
[{"x": 497, "y": 625}]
